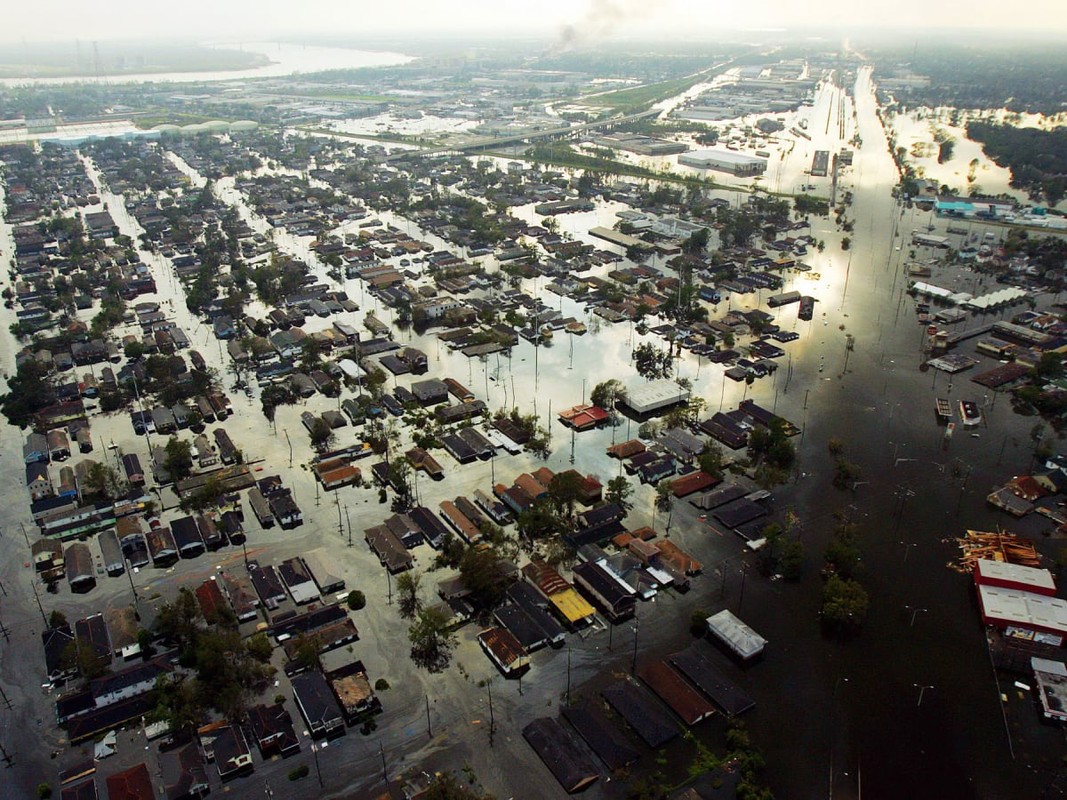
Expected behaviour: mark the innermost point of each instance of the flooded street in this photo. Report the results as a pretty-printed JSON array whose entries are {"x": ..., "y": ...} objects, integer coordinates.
[
  {"x": 954, "y": 743},
  {"x": 908, "y": 709}
]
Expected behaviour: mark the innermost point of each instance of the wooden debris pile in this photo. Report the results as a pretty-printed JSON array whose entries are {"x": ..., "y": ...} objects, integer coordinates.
[{"x": 996, "y": 547}]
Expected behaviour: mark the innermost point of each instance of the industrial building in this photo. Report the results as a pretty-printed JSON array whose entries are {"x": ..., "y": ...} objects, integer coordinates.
[
  {"x": 740, "y": 639},
  {"x": 640, "y": 144},
  {"x": 724, "y": 161},
  {"x": 820, "y": 163},
  {"x": 647, "y": 398}
]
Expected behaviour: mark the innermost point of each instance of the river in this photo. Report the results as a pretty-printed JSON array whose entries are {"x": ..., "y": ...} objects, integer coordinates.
[{"x": 285, "y": 59}]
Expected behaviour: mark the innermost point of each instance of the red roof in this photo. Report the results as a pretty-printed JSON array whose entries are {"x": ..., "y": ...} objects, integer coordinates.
[
  {"x": 1027, "y": 487},
  {"x": 693, "y": 482},
  {"x": 210, "y": 598},
  {"x": 503, "y": 645},
  {"x": 133, "y": 784},
  {"x": 626, "y": 449},
  {"x": 546, "y": 578},
  {"x": 583, "y": 416}
]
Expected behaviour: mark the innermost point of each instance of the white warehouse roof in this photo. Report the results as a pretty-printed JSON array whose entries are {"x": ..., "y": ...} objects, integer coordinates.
[
  {"x": 650, "y": 396},
  {"x": 989, "y": 569},
  {"x": 736, "y": 635},
  {"x": 1025, "y": 609},
  {"x": 696, "y": 158}
]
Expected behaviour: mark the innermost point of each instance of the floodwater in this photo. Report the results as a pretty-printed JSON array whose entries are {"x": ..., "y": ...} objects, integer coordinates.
[
  {"x": 424, "y": 125},
  {"x": 917, "y": 128},
  {"x": 285, "y": 59},
  {"x": 831, "y": 717},
  {"x": 846, "y": 715},
  {"x": 790, "y": 156}
]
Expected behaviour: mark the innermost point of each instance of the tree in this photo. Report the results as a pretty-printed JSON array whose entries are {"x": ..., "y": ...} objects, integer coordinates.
[
  {"x": 57, "y": 619},
  {"x": 28, "y": 391},
  {"x": 842, "y": 551},
  {"x": 537, "y": 522},
  {"x": 177, "y": 622},
  {"x": 356, "y": 600},
  {"x": 104, "y": 482},
  {"x": 844, "y": 604},
  {"x": 711, "y": 460},
  {"x": 564, "y": 490},
  {"x": 791, "y": 559},
  {"x": 771, "y": 452},
  {"x": 697, "y": 243},
  {"x": 133, "y": 350},
  {"x": 399, "y": 479},
  {"x": 90, "y": 663},
  {"x": 605, "y": 394},
  {"x": 432, "y": 640},
  {"x": 178, "y": 461},
  {"x": 1050, "y": 365},
  {"x": 483, "y": 574},
  {"x": 407, "y": 590},
  {"x": 664, "y": 495},
  {"x": 619, "y": 489},
  {"x": 306, "y": 651},
  {"x": 259, "y": 647},
  {"x": 177, "y": 701},
  {"x": 652, "y": 363},
  {"x": 310, "y": 354},
  {"x": 321, "y": 434}
]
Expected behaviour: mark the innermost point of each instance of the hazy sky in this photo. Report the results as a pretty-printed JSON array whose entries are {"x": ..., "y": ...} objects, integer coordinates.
[{"x": 249, "y": 20}]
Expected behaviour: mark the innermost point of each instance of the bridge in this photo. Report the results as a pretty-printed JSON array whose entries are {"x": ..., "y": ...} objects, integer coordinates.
[{"x": 488, "y": 143}]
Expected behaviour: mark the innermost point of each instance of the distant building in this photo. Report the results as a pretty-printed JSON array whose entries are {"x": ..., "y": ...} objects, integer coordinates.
[{"x": 724, "y": 161}]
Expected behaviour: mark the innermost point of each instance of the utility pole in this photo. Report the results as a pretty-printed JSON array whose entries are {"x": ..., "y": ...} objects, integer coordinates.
[
  {"x": 429, "y": 730},
  {"x": 136, "y": 598},
  {"x": 568, "y": 672},
  {"x": 492, "y": 719},
  {"x": 385, "y": 769},
  {"x": 741, "y": 597},
  {"x": 348, "y": 520},
  {"x": 315, "y": 753},
  {"x": 633, "y": 663},
  {"x": 8, "y": 760},
  {"x": 37, "y": 597}
]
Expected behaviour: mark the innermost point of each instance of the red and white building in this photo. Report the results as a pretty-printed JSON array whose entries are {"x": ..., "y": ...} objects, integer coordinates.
[{"x": 1021, "y": 602}]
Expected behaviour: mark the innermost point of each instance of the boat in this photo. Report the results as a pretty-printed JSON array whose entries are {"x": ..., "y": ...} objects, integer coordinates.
[
  {"x": 971, "y": 414},
  {"x": 944, "y": 410}
]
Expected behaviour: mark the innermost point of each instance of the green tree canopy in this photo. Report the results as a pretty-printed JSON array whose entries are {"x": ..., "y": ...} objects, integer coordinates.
[{"x": 432, "y": 640}]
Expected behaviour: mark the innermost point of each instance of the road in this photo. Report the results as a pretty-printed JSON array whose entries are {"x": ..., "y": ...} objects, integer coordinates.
[{"x": 490, "y": 142}]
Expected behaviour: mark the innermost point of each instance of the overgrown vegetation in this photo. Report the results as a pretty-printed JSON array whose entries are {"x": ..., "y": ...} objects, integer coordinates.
[
  {"x": 1037, "y": 158},
  {"x": 227, "y": 671}
]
